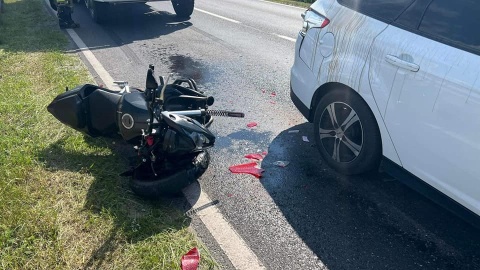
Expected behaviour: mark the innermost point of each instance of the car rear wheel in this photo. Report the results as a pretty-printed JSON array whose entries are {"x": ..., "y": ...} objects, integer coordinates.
[
  {"x": 183, "y": 8},
  {"x": 346, "y": 132},
  {"x": 98, "y": 11}
]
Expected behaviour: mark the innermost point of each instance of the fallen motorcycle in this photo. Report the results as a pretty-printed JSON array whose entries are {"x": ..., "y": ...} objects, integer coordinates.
[{"x": 166, "y": 123}]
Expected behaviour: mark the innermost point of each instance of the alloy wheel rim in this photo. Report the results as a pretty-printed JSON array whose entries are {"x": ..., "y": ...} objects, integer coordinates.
[{"x": 341, "y": 132}]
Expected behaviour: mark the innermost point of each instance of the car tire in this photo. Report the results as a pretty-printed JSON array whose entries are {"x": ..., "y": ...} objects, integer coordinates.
[
  {"x": 183, "y": 8},
  {"x": 170, "y": 184},
  {"x": 346, "y": 132},
  {"x": 98, "y": 11}
]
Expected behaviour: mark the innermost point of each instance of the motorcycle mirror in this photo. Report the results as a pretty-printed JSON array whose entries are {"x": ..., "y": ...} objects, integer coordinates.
[{"x": 151, "y": 82}]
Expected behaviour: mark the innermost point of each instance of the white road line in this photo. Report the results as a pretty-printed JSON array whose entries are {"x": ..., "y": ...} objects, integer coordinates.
[
  {"x": 285, "y": 37},
  {"x": 218, "y": 16},
  {"x": 97, "y": 66},
  {"x": 280, "y": 4},
  {"x": 237, "y": 251}
]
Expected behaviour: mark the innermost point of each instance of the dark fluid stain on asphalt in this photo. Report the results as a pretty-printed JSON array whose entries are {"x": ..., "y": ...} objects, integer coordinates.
[{"x": 190, "y": 68}]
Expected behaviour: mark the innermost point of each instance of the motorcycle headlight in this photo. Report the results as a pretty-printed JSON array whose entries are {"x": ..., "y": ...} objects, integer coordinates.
[{"x": 199, "y": 139}]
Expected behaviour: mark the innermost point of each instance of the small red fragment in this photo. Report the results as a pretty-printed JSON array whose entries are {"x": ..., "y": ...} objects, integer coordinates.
[
  {"x": 191, "y": 259},
  {"x": 149, "y": 140},
  {"x": 229, "y": 194},
  {"x": 263, "y": 90},
  {"x": 273, "y": 94},
  {"x": 252, "y": 124},
  {"x": 247, "y": 168},
  {"x": 254, "y": 156},
  {"x": 272, "y": 102}
]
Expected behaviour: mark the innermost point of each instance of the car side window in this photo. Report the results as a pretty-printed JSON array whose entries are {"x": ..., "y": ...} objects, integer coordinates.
[
  {"x": 384, "y": 10},
  {"x": 412, "y": 16},
  {"x": 454, "y": 21}
]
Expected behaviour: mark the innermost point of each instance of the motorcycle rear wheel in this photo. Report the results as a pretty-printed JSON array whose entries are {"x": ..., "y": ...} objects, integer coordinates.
[{"x": 170, "y": 184}]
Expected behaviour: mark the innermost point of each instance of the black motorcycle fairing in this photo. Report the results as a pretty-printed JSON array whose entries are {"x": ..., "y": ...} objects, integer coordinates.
[
  {"x": 76, "y": 107},
  {"x": 185, "y": 134},
  {"x": 102, "y": 107},
  {"x": 133, "y": 115}
]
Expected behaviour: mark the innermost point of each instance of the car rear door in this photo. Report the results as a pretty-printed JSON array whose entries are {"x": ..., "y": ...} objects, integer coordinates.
[{"x": 424, "y": 74}]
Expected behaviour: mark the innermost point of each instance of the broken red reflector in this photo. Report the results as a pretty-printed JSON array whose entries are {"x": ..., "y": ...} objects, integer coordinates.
[{"x": 249, "y": 168}]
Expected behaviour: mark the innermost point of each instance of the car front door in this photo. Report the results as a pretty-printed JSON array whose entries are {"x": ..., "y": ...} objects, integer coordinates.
[{"x": 425, "y": 76}]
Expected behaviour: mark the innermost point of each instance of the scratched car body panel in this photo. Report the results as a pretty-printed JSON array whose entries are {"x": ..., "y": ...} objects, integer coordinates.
[{"x": 416, "y": 71}]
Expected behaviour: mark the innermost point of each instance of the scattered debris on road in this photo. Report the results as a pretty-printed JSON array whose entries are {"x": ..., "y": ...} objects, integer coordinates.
[
  {"x": 282, "y": 164},
  {"x": 191, "y": 259},
  {"x": 250, "y": 168},
  {"x": 254, "y": 156},
  {"x": 305, "y": 139},
  {"x": 252, "y": 124},
  {"x": 294, "y": 131}
]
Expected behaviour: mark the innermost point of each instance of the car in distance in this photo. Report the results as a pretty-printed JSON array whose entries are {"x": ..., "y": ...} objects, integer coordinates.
[{"x": 99, "y": 8}]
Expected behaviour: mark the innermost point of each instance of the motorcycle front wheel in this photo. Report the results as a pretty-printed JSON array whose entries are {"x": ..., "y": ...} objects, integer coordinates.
[{"x": 145, "y": 184}]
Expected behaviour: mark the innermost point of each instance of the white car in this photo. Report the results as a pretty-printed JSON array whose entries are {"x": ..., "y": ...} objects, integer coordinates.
[{"x": 397, "y": 81}]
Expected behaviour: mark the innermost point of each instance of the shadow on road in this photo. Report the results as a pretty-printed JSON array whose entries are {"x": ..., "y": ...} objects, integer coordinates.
[
  {"x": 366, "y": 222},
  {"x": 126, "y": 24}
]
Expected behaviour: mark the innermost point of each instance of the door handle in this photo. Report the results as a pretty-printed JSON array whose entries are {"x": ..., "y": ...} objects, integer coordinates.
[{"x": 402, "y": 63}]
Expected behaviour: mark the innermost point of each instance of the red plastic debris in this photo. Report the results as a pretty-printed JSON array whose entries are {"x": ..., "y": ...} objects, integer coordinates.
[
  {"x": 247, "y": 168},
  {"x": 254, "y": 156},
  {"x": 191, "y": 259},
  {"x": 252, "y": 124},
  {"x": 273, "y": 94},
  {"x": 150, "y": 140},
  {"x": 229, "y": 195}
]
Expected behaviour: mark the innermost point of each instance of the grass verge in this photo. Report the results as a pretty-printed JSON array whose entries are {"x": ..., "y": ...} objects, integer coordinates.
[
  {"x": 297, "y": 3},
  {"x": 62, "y": 203}
]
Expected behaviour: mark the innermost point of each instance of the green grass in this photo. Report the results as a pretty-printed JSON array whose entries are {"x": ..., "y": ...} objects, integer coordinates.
[
  {"x": 297, "y": 3},
  {"x": 62, "y": 203}
]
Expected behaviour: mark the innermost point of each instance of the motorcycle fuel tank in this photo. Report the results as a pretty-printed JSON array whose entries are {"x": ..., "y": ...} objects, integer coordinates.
[{"x": 132, "y": 115}]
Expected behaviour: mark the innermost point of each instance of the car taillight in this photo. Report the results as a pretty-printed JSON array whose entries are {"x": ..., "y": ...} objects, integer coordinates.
[{"x": 312, "y": 19}]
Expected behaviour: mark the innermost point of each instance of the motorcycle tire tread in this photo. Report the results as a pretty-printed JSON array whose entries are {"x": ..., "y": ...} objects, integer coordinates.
[{"x": 171, "y": 185}]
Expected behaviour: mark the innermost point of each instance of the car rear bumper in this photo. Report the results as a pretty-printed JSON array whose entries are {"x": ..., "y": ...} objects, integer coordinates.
[{"x": 299, "y": 104}]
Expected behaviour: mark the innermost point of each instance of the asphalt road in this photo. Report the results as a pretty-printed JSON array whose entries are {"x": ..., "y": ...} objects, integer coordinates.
[{"x": 303, "y": 216}]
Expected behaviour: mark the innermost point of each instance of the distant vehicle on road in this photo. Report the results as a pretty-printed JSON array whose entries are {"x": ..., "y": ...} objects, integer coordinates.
[
  {"x": 99, "y": 8},
  {"x": 398, "y": 81}
]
